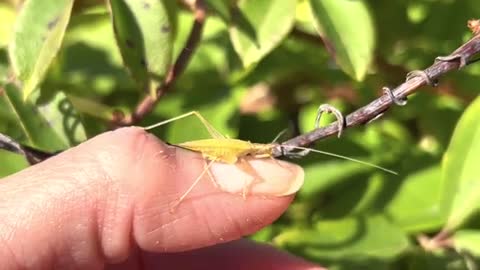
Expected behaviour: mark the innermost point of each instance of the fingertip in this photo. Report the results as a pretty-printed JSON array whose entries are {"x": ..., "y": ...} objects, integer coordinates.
[
  {"x": 209, "y": 214},
  {"x": 264, "y": 177}
]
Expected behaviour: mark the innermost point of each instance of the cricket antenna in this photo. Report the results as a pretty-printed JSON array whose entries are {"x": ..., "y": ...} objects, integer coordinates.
[{"x": 307, "y": 150}]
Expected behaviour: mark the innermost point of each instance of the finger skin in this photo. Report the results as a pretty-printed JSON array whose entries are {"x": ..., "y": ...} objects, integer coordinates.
[
  {"x": 94, "y": 203},
  {"x": 235, "y": 255}
]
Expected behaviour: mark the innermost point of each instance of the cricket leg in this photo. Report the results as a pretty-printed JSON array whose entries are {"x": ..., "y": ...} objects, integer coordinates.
[
  {"x": 245, "y": 166},
  {"x": 213, "y": 132},
  {"x": 185, "y": 194},
  {"x": 280, "y": 134},
  {"x": 210, "y": 176}
]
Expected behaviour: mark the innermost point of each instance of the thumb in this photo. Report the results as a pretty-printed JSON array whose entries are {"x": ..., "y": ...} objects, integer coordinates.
[{"x": 93, "y": 203}]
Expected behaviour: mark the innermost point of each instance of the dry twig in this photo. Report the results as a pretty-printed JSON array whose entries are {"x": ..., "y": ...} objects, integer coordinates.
[{"x": 376, "y": 108}]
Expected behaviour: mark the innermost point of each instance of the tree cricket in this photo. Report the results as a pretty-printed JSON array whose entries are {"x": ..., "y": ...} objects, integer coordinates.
[{"x": 234, "y": 151}]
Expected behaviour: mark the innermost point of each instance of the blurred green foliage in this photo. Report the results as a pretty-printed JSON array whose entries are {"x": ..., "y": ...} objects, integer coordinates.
[{"x": 261, "y": 67}]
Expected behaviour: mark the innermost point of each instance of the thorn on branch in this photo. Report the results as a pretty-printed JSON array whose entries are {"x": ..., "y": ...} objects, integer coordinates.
[
  {"x": 457, "y": 59},
  {"x": 330, "y": 109},
  {"x": 400, "y": 101},
  {"x": 422, "y": 74}
]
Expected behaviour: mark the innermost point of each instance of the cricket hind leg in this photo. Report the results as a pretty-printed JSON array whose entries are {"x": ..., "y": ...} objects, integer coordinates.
[
  {"x": 213, "y": 132},
  {"x": 206, "y": 170}
]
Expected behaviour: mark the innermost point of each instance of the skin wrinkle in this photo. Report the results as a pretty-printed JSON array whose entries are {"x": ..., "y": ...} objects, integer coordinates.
[
  {"x": 117, "y": 247},
  {"x": 14, "y": 262},
  {"x": 74, "y": 187},
  {"x": 85, "y": 252},
  {"x": 161, "y": 209},
  {"x": 212, "y": 235},
  {"x": 156, "y": 208},
  {"x": 109, "y": 203},
  {"x": 30, "y": 207},
  {"x": 232, "y": 222}
]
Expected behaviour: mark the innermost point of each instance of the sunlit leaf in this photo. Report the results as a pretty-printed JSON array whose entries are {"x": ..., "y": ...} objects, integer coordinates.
[
  {"x": 91, "y": 107},
  {"x": 416, "y": 204},
  {"x": 260, "y": 26},
  {"x": 11, "y": 163},
  {"x": 348, "y": 32},
  {"x": 221, "y": 8},
  {"x": 460, "y": 168},
  {"x": 467, "y": 240},
  {"x": 6, "y": 27},
  {"x": 90, "y": 62},
  {"x": 38, "y": 35},
  {"x": 144, "y": 31},
  {"x": 371, "y": 237}
]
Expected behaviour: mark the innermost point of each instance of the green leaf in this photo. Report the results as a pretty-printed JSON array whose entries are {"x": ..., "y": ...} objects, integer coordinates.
[
  {"x": 370, "y": 237},
  {"x": 38, "y": 35},
  {"x": 467, "y": 240},
  {"x": 460, "y": 167},
  {"x": 144, "y": 31},
  {"x": 90, "y": 63},
  {"x": 11, "y": 163},
  {"x": 7, "y": 13},
  {"x": 347, "y": 30},
  {"x": 221, "y": 8},
  {"x": 91, "y": 107},
  {"x": 411, "y": 209},
  {"x": 50, "y": 126},
  {"x": 259, "y": 26}
]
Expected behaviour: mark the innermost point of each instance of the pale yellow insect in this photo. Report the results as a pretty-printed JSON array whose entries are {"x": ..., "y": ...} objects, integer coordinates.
[{"x": 234, "y": 151}]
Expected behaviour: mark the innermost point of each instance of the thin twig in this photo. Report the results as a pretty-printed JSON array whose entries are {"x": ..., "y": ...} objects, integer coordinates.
[
  {"x": 33, "y": 156},
  {"x": 380, "y": 105},
  {"x": 148, "y": 103}
]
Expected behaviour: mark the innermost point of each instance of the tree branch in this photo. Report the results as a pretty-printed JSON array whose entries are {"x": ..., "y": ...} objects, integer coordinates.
[
  {"x": 33, "y": 156},
  {"x": 377, "y": 107}
]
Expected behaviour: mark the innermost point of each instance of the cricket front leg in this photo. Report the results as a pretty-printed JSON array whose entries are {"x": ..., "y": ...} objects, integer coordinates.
[{"x": 192, "y": 186}]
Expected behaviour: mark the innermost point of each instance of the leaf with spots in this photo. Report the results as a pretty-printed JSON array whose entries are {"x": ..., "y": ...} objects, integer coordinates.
[
  {"x": 144, "y": 30},
  {"x": 38, "y": 35},
  {"x": 347, "y": 30}
]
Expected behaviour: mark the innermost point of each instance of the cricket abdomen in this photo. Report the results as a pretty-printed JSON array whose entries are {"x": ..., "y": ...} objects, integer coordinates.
[{"x": 226, "y": 150}]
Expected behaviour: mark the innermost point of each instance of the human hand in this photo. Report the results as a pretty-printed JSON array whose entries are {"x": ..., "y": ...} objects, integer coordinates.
[{"x": 107, "y": 203}]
